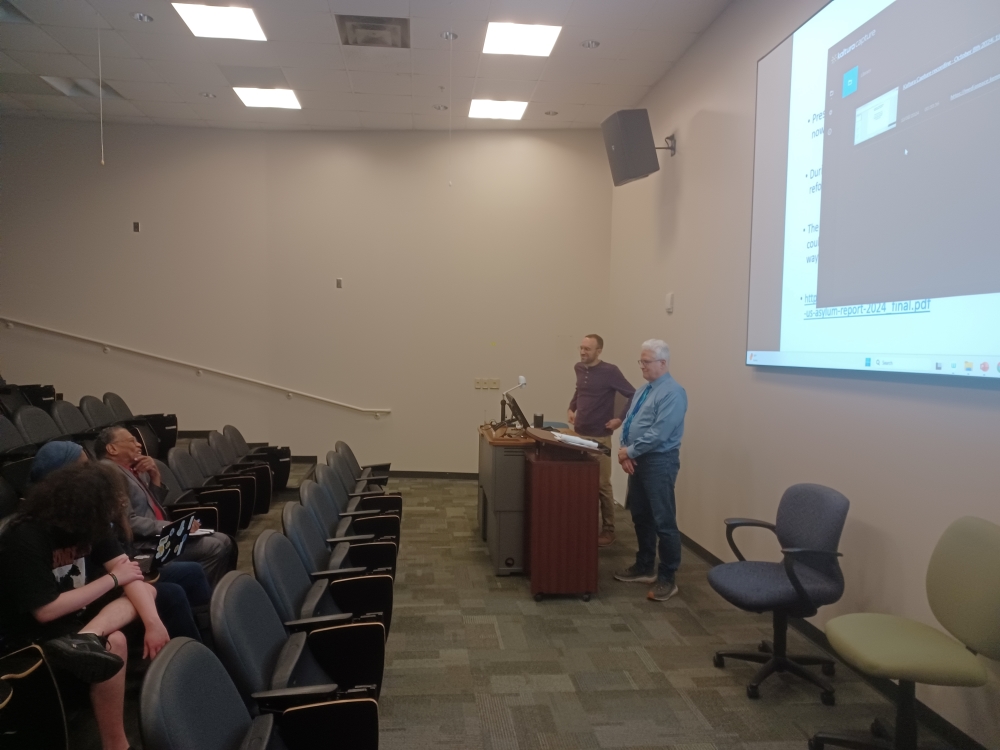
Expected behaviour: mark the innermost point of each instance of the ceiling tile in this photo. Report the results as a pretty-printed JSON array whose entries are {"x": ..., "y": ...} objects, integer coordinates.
[
  {"x": 292, "y": 6},
  {"x": 467, "y": 10},
  {"x": 583, "y": 70},
  {"x": 188, "y": 72},
  {"x": 424, "y": 105},
  {"x": 148, "y": 91},
  {"x": 390, "y": 8},
  {"x": 330, "y": 118},
  {"x": 654, "y": 45},
  {"x": 181, "y": 47},
  {"x": 21, "y": 36},
  {"x": 60, "y": 13},
  {"x": 594, "y": 113},
  {"x": 120, "y": 69},
  {"x": 566, "y": 112},
  {"x": 616, "y": 96},
  {"x": 381, "y": 103},
  {"x": 386, "y": 121},
  {"x": 24, "y": 83},
  {"x": 436, "y": 121},
  {"x": 633, "y": 72},
  {"x": 338, "y": 100},
  {"x": 619, "y": 14},
  {"x": 546, "y": 12},
  {"x": 377, "y": 60},
  {"x": 425, "y": 33},
  {"x": 8, "y": 103},
  {"x": 501, "y": 90},
  {"x": 570, "y": 43},
  {"x": 45, "y": 64},
  {"x": 9, "y": 65},
  {"x": 560, "y": 91},
  {"x": 112, "y": 107},
  {"x": 435, "y": 62},
  {"x": 441, "y": 87},
  {"x": 321, "y": 79},
  {"x": 120, "y": 16},
  {"x": 281, "y": 25},
  {"x": 519, "y": 67},
  {"x": 48, "y": 103},
  {"x": 172, "y": 110},
  {"x": 368, "y": 82},
  {"x": 84, "y": 41},
  {"x": 688, "y": 15}
]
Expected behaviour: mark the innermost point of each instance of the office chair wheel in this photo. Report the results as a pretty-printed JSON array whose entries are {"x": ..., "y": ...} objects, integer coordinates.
[
  {"x": 828, "y": 698},
  {"x": 830, "y": 669},
  {"x": 538, "y": 597},
  {"x": 753, "y": 692},
  {"x": 586, "y": 597},
  {"x": 815, "y": 744},
  {"x": 718, "y": 662}
]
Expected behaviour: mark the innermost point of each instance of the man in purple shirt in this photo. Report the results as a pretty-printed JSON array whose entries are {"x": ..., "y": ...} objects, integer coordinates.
[{"x": 592, "y": 414}]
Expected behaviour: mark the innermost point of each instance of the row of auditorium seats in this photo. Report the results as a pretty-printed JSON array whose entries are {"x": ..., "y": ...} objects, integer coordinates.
[{"x": 300, "y": 645}]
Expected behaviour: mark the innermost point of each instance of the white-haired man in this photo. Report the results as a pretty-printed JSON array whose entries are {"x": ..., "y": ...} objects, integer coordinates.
[{"x": 650, "y": 455}]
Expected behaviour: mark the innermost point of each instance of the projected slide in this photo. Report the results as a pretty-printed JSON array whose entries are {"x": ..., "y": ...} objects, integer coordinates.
[{"x": 876, "y": 235}]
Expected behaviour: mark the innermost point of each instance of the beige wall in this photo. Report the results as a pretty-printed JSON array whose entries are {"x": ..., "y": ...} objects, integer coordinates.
[
  {"x": 242, "y": 237},
  {"x": 911, "y": 454}
]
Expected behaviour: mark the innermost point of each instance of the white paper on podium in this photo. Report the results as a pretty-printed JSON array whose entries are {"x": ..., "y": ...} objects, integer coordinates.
[{"x": 574, "y": 440}]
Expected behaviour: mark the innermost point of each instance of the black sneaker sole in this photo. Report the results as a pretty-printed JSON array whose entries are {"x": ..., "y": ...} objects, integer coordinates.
[
  {"x": 651, "y": 578},
  {"x": 83, "y": 658}
]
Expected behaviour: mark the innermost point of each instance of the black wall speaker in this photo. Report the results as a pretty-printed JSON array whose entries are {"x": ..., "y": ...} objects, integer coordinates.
[{"x": 629, "y": 141}]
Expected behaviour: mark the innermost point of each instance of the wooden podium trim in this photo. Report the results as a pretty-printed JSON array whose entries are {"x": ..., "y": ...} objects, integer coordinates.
[{"x": 545, "y": 438}]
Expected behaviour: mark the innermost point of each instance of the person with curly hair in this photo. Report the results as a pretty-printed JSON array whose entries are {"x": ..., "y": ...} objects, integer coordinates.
[{"x": 44, "y": 598}]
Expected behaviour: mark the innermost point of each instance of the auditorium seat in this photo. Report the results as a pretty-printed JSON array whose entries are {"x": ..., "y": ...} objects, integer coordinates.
[
  {"x": 97, "y": 413},
  {"x": 262, "y": 656},
  {"x": 12, "y": 442},
  {"x": 163, "y": 426},
  {"x": 70, "y": 420},
  {"x": 11, "y": 400},
  {"x": 211, "y": 465},
  {"x": 324, "y": 558},
  {"x": 189, "y": 476},
  {"x": 335, "y": 522},
  {"x": 35, "y": 425},
  {"x": 189, "y": 702},
  {"x": 330, "y": 478},
  {"x": 225, "y": 499},
  {"x": 280, "y": 459},
  {"x": 297, "y": 594},
  {"x": 351, "y": 484},
  {"x": 373, "y": 473}
]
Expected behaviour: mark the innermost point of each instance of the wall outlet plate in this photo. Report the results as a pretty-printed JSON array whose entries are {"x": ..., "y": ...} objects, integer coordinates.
[{"x": 493, "y": 384}]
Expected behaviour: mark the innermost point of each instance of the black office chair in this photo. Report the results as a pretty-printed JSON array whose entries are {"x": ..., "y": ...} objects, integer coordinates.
[
  {"x": 211, "y": 464},
  {"x": 158, "y": 431},
  {"x": 189, "y": 702},
  {"x": 808, "y": 525},
  {"x": 190, "y": 477},
  {"x": 280, "y": 458},
  {"x": 330, "y": 476},
  {"x": 262, "y": 656}
]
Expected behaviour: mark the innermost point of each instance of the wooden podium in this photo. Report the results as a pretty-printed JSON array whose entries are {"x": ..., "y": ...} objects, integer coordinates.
[{"x": 561, "y": 486}]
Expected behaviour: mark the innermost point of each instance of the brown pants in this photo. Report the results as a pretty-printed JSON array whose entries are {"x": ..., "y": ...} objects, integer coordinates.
[{"x": 607, "y": 494}]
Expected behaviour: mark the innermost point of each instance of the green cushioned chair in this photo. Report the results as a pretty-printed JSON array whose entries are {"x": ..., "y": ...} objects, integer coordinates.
[{"x": 963, "y": 589}]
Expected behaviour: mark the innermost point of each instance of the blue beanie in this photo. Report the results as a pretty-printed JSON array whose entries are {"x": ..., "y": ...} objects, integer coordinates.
[{"x": 52, "y": 456}]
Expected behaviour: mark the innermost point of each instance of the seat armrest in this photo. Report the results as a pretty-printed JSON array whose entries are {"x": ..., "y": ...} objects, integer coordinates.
[
  {"x": 338, "y": 573},
  {"x": 351, "y": 538},
  {"x": 734, "y": 523},
  {"x": 799, "y": 553},
  {"x": 277, "y": 701},
  {"x": 311, "y": 623},
  {"x": 376, "y": 467},
  {"x": 359, "y": 513},
  {"x": 365, "y": 494},
  {"x": 258, "y": 736},
  {"x": 187, "y": 497}
]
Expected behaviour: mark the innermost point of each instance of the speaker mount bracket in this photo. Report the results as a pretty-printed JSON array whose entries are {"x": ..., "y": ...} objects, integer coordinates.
[{"x": 671, "y": 141}]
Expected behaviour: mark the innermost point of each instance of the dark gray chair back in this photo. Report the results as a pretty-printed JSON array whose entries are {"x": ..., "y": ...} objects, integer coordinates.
[
  {"x": 247, "y": 631},
  {"x": 35, "y": 425},
  {"x": 223, "y": 446},
  {"x": 69, "y": 419},
  {"x": 318, "y": 501},
  {"x": 189, "y": 702},
  {"x": 9, "y": 499},
  {"x": 208, "y": 460},
  {"x": 96, "y": 412},
  {"x": 812, "y": 516},
  {"x": 280, "y": 571},
  {"x": 10, "y": 438},
  {"x": 305, "y": 534},
  {"x": 236, "y": 437},
  {"x": 12, "y": 399},
  {"x": 185, "y": 468},
  {"x": 118, "y": 406},
  {"x": 170, "y": 481},
  {"x": 344, "y": 450}
]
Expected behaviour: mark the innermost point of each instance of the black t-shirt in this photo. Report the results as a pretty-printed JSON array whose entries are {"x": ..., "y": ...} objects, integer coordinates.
[{"x": 37, "y": 564}]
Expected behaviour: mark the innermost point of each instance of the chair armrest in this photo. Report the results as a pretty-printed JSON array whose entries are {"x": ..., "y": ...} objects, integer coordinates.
[
  {"x": 359, "y": 513},
  {"x": 351, "y": 538},
  {"x": 338, "y": 573},
  {"x": 187, "y": 497},
  {"x": 365, "y": 494},
  {"x": 309, "y": 624},
  {"x": 259, "y": 734},
  {"x": 277, "y": 701},
  {"x": 208, "y": 516},
  {"x": 799, "y": 553},
  {"x": 734, "y": 523}
]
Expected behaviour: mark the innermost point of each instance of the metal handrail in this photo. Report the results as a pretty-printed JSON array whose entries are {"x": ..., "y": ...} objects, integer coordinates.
[{"x": 199, "y": 369}]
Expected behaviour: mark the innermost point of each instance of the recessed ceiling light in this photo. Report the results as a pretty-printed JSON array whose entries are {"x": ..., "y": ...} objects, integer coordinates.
[
  {"x": 207, "y": 94},
  {"x": 142, "y": 17},
  {"x": 520, "y": 39},
  {"x": 552, "y": 113},
  {"x": 221, "y": 23},
  {"x": 440, "y": 107},
  {"x": 590, "y": 44},
  {"x": 280, "y": 98},
  {"x": 489, "y": 109},
  {"x": 449, "y": 35}
]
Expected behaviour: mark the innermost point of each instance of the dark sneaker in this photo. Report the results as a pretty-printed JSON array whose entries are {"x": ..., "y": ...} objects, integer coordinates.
[
  {"x": 606, "y": 538},
  {"x": 632, "y": 573},
  {"x": 84, "y": 656},
  {"x": 662, "y": 591}
]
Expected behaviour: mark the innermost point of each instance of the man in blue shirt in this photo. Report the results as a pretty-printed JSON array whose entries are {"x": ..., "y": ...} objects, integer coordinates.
[{"x": 650, "y": 455}]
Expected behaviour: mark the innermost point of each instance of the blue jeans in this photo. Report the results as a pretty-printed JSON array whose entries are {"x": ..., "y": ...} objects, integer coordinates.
[
  {"x": 181, "y": 586},
  {"x": 654, "y": 512}
]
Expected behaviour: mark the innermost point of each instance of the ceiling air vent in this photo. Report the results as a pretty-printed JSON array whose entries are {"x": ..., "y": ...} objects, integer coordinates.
[
  {"x": 372, "y": 31},
  {"x": 80, "y": 87}
]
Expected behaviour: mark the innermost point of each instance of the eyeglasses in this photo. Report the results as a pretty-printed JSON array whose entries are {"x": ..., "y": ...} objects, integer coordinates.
[{"x": 648, "y": 362}]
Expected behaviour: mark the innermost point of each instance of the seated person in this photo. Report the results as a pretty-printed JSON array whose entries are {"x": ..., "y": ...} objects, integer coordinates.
[
  {"x": 44, "y": 600},
  {"x": 180, "y": 586},
  {"x": 118, "y": 447}
]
